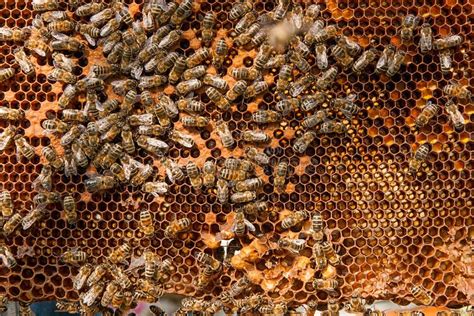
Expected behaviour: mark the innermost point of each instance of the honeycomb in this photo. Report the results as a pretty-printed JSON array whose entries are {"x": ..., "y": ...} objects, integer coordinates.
[{"x": 392, "y": 230}]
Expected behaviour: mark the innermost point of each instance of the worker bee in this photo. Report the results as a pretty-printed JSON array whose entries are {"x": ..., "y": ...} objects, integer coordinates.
[
  {"x": 38, "y": 46},
  {"x": 190, "y": 106},
  {"x": 294, "y": 219},
  {"x": 67, "y": 307},
  {"x": 52, "y": 157},
  {"x": 185, "y": 87},
  {"x": 11, "y": 114},
  {"x": 320, "y": 259},
  {"x": 364, "y": 60},
  {"x": 303, "y": 83},
  {"x": 429, "y": 111},
  {"x": 328, "y": 285},
  {"x": 169, "y": 40},
  {"x": 74, "y": 257},
  {"x": 209, "y": 174},
  {"x": 70, "y": 165},
  {"x": 63, "y": 62},
  {"x": 11, "y": 224},
  {"x": 102, "y": 17},
  {"x": 446, "y": 61},
  {"x": 7, "y": 258},
  {"x": 70, "y": 209},
  {"x": 6, "y": 73},
  {"x": 222, "y": 191},
  {"x": 263, "y": 56},
  {"x": 109, "y": 292},
  {"x": 177, "y": 70},
  {"x": 151, "y": 264},
  {"x": 284, "y": 77},
  {"x": 237, "y": 90},
  {"x": 329, "y": 252},
  {"x": 62, "y": 75},
  {"x": 300, "y": 62},
  {"x": 121, "y": 253},
  {"x": 409, "y": 24},
  {"x": 224, "y": 134},
  {"x": 320, "y": 52},
  {"x": 420, "y": 156},
  {"x": 329, "y": 127},
  {"x": 245, "y": 73},
  {"x": 286, "y": 106},
  {"x": 194, "y": 121},
  {"x": 346, "y": 105},
  {"x": 182, "y": 12},
  {"x": 128, "y": 143},
  {"x": 355, "y": 305},
  {"x": 14, "y": 34},
  {"x": 173, "y": 170},
  {"x": 247, "y": 36},
  {"x": 218, "y": 98},
  {"x": 90, "y": 33},
  {"x": 447, "y": 42},
  {"x": 23, "y": 60},
  {"x": 455, "y": 115},
  {"x": 396, "y": 62},
  {"x": 426, "y": 38},
  {"x": 155, "y": 188},
  {"x": 45, "y": 5},
  {"x": 215, "y": 81},
  {"x": 276, "y": 61},
  {"x": 45, "y": 198},
  {"x": 146, "y": 223},
  {"x": 315, "y": 119},
  {"x": 421, "y": 295},
  {"x": 119, "y": 172},
  {"x": 384, "y": 61},
  {"x": 257, "y": 157},
  {"x": 23, "y": 148},
  {"x": 207, "y": 32},
  {"x": 181, "y": 138},
  {"x": 252, "y": 184},
  {"x": 176, "y": 227},
  {"x": 111, "y": 26},
  {"x": 141, "y": 173},
  {"x": 255, "y": 136},
  {"x": 62, "y": 26},
  {"x": 292, "y": 245},
  {"x": 99, "y": 183},
  {"x": 62, "y": 42},
  {"x": 95, "y": 276},
  {"x": 73, "y": 115},
  {"x": 140, "y": 119},
  {"x": 333, "y": 307},
  {"x": 266, "y": 116},
  {"x": 89, "y": 9},
  {"x": 220, "y": 53},
  {"x": 323, "y": 35},
  {"x": 6, "y": 203},
  {"x": 150, "y": 82},
  {"x": 313, "y": 31},
  {"x": 255, "y": 88},
  {"x": 152, "y": 145},
  {"x": 196, "y": 72},
  {"x": 194, "y": 175},
  {"x": 44, "y": 180},
  {"x": 93, "y": 293},
  {"x": 455, "y": 89},
  {"x": 239, "y": 9},
  {"x": 248, "y": 19},
  {"x": 279, "y": 177},
  {"x": 302, "y": 143},
  {"x": 6, "y": 137},
  {"x": 317, "y": 227}
]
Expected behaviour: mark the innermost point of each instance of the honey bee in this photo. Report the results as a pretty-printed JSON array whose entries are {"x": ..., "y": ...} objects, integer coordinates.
[
  {"x": 185, "y": 87},
  {"x": 6, "y": 137},
  {"x": 420, "y": 156},
  {"x": 409, "y": 24},
  {"x": 11, "y": 114},
  {"x": 109, "y": 292},
  {"x": 320, "y": 259},
  {"x": 279, "y": 177},
  {"x": 446, "y": 61},
  {"x": 74, "y": 257},
  {"x": 207, "y": 32},
  {"x": 346, "y": 105},
  {"x": 323, "y": 35},
  {"x": 317, "y": 227},
  {"x": 224, "y": 134},
  {"x": 241, "y": 225},
  {"x": 364, "y": 60},
  {"x": 6, "y": 73},
  {"x": 146, "y": 223},
  {"x": 111, "y": 26},
  {"x": 97, "y": 274},
  {"x": 209, "y": 174},
  {"x": 355, "y": 305},
  {"x": 177, "y": 70},
  {"x": 23, "y": 60},
  {"x": 249, "y": 35},
  {"x": 219, "y": 54},
  {"x": 384, "y": 61},
  {"x": 455, "y": 115},
  {"x": 6, "y": 203},
  {"x": 428, "y": 112},
  {"x": 421, "y": 295},
  {"x": 284, "y": 77},
  {"x": 294, "y": 219},
  {"x": 196, "y": 72},
  {"x": 102, "y": 17},
  {"x": 14, "y": 34},
  {"x": 300, "y": 62},
  {"x": 67, "y": 307},
  {"x": 155, "y": 188},
  {"x": 315, "y": 119},
  {"x": 45, "y": 198},
  {"x": 329, "y": 252},
  {"x": 99, "y": 183},
  {"x": 222, "y": 191},
  {"x": 52, "y": 157},
  {"x": 62, "y": 75},
  {"x": 170, "y": 40},
  {"x": 12, "y": 224},
  {"x": 455, "y": 89},
  {"x": 244, "y": 23},
  {"x": 62, "y": 42},
  {"x": 140, "y": 119},
  {"x": 245, "y": 73},
  {"x": 276, "y": 62},
  {"x": 23, "y": 148},
  {"x": 304, "y": 82},
  {"x": 257, "y": 157},
  {"x": 426, "y": 38},
  {"x": 251, "y": 184},
  {"x": 396, "y": 62},
  {"x": 237, "y": 90},
  {"x": 182, "y": 12},
  {"x": 266, "y": 116},
  {"x": 329, "y": 127},
  {"x": 447, "y": 42},
  {"x": 152, "y": 145},
  {"x": 73, "y": 115},
  {"x": 44, "y": 180},
  {"x": 328, "y": 285},
  {"x": 121, "y": 253},
  {"x": 64, "y": 26},
  {"x": 80, "y": 279},
  {"x": 38, "y": 46},
  {"x": 181, "y": 138},
  {"x": 141, "y": 175},
  {"x": 93, "y": 293},
  {"x": 194, "y": 175},
  {"x": 173, "y": 170},
  {"x": 176, "y": 227},
  {"x": 215, "y": 81},
  {"x": 194, "y": 121},
  {"x": 302, "y": 143},
  {"x": 90, "y": 33},
  {"x": 218, "y": 98},
  {"x": 190, "y": 106},
  {"x": 70, "y": 209},
  {"x": 89, "y": 9},
  {"x": 7, "y": 258},
  {"x": 255, "y": 88},
  {"x": 263, "y": 56},
  {"x": 150, "y": 82},
  {"x": 255, "y": 136},
  {"x": 45, "y": 5},
  {"x": 151, "y": 264},
  {"x": 292, "y": 245}
]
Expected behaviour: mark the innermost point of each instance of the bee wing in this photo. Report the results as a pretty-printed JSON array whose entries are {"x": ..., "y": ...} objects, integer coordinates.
[
  {"x": 92, "y": 41},
  {"x": 249, "y": 225},
  {"x": 300, "y": 242},
  {"x": 59, "y": 36}
]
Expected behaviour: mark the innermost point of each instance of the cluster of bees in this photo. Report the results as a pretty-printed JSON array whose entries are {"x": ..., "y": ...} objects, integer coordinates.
[{"x": 107, "y": 130}]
